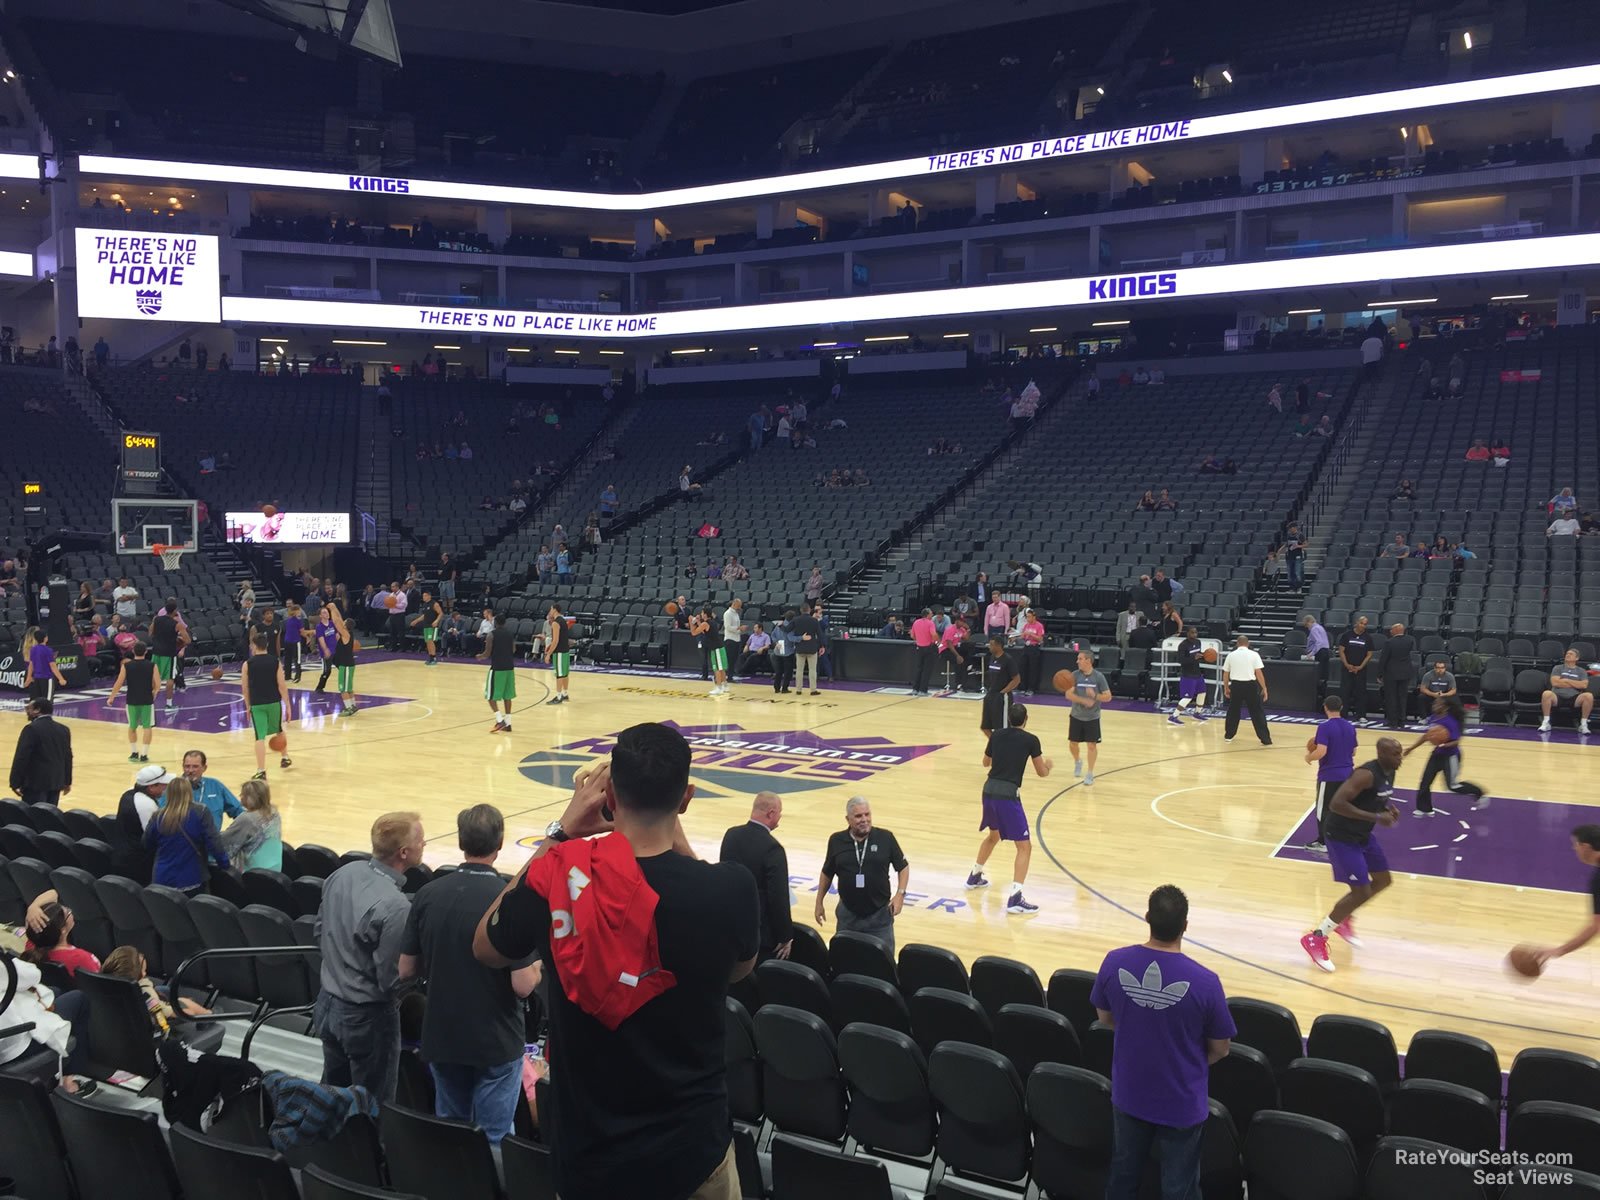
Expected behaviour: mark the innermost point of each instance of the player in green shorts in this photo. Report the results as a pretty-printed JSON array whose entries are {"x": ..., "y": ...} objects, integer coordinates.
[
  {"x": 344, "y": 659},
  {"x": 138, "y": 675},
  {"x": 500, "y": 685},
  {"x": 431, "y": 612},
  {"x": 558, "y": 652},
  {"x": 266, "y": 695}
]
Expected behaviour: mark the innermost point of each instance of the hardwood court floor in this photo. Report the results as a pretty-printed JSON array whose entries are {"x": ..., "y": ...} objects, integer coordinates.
[{"x": 1169, "y": 805}]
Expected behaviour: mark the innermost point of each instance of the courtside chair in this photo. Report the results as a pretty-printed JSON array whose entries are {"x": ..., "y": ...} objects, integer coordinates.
[
  {"x": 742, "y": 1063},
  {"x": 1289, "y": 1156},
  {"x": 1544, "y": 1074},
  {"x": 998, "y": 981},
  {"x": 33, "y": 1154},
  {"x": 1028, "y": 1035},
  {"x": 437, "y": 1158},
  {"x": 923, "y": 966},
  {"x": 1437, "y": 1111},
  {"x": 983, "y": 1118},
  {"x": 1550, "y": 1127},
  {"x": 860, "y": 998},
  {"x": 1336, "y": 1092},
  {"x": 802, "y": 1090},
  {"x": 1359, "y": 1042},
  {"x": 116, "y": 1153},
  {"x": 1243, "y": 1082},
  {"x": 1069, "y": 1111},
  {"x": 940, "y": 1015},
  {"x": 1398, "y": 1171},
  {"x": 861, "y": 954},
  {"x": 202, "y": 1161},
  {"x": 1455, "y": 1058},
  {"x": 891, "y": 1110},
  {"x": 1069, "y": 992},
  {"x": 789, "y": 983},
  {"x": 1270, "y": 1028}
]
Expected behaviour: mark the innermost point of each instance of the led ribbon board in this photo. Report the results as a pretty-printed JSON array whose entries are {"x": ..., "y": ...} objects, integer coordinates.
[
  {"x": 1420, "y": 262},
  {"x": 1464, "y": 91}
]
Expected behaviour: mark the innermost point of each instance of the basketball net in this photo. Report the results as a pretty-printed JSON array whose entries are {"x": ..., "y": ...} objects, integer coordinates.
[{"x": 171, "y": 556}]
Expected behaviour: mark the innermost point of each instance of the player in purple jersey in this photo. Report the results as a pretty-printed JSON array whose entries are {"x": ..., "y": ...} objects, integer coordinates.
[
  {"x": 1444, "y": 735},
  {"x": 1362, "y": 801},
  {"x": 1333, "y": 749}
]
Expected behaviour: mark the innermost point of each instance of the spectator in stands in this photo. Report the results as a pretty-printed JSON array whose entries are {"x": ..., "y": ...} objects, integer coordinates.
[
  {"x": 686, "y": 484},
  {"x": 893, "y": 627},
  {"x": 1147, "y": 502},
  {"x": 1569, "y": 688},
  {"x": 1404, "y": 490},
  {"x": 544, "y": 565},
  {"x": 1143, "y": 594},
  {"x": 1565, "y": 525},
  {"x": 641, "y": 1097},
  {"x": 1397, "y": 548},
  {"x": 1501, "y": 451},
  {"x": 997, "y": 619},
  {"x": 1590, "y": 523},
  {"x": 1316, "y": 639},
  {"x": 1440, "y": 547},
  {"x": 1437, "y": 683},
  {"x": 360, "y": 931},
  {"x": 734, "y": 569},
  {"x": 1458, "y": 373},
  {"x": 1162, "y": 1056},
  {"x": 1275, "y": 398},
  {"x": 465, "y": 452},
  {"x": 180, "y": 837},
  {"x": 1211, "y": 464},
  {"x": 814, "y": 584},
  {"x": 965, "y": 609},
  {"x": 49, "y": 925},
  {"x": 1478, "y": 451},
  {"x": 1563, "y": 503},
  {"x": 1272, "y": 570},
  {"x": 608, "y": 501},
  {"x": 1293, "y": 553},
  {"x": 102, "y": 352},
  {"x": 591, "y": 532},
  {"x": 255, "y": 838},
  {"x": 1140, "y": 375},
  {"x": 757, "y": 652},
  {"x": 472, "y": 1033},
  {"x": 126, "y": 598},
  {"x": 1031, "y": 652},
  {"x": 1128, "y": 621},
  {"x": 563, "y": 564},
  {"x": 1165, "y": 502},
  {"x": 1303, "y": 394},
  {"x": 1371, "y": 354}
]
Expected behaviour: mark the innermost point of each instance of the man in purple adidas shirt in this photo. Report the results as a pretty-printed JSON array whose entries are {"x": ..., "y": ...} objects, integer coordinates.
[
  {"x": 1333, "y": 749},
  {"x": 1172, "y": 1023}
]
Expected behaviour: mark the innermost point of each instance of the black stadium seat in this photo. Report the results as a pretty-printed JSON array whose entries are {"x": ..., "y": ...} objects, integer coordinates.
[
  {"x": 891, "y": 1110},
  {"x": 116, "y": 1153},
  {"x": 803, "y": 1092},
  {"x": 202, "y": 1160}
]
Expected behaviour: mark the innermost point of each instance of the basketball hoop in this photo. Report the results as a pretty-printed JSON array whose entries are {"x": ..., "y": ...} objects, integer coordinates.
[{"x": 171, "y": 556}]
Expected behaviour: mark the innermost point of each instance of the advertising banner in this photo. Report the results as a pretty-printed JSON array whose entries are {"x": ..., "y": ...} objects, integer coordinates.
[
  {"x": 138, "y": 276},
  {"x": 289, "y": 528}
]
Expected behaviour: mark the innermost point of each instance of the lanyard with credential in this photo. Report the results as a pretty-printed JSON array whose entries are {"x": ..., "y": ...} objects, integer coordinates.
[{"x": 861, "y": 862}]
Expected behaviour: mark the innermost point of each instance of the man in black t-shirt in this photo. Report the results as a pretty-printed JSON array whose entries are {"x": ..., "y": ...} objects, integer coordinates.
[
  {"x": 474, "y": 1030},
  {"x": 269, "y": 628},
  {"x": 1586, "y": 844},
  {"x": 138, "y": 675},
  {"x": 640, "y": 1095},
  {"x": 500, "y": 685},
  {"x": 266, "y": 697},
  {"x": 860, "y": 857},
  {"x": 1355, "y": 654},
  {"x": 1000, "y": 679},
  {"x": 1007, "y": 756}
]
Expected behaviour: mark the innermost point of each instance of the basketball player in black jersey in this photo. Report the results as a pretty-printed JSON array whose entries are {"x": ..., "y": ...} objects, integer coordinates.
[
  {"x": 344, "y": 659},
  {"x": 500, "y": 685},
  {"x": 168, "y": 637},
  {"x": 1362, "y": 802},
  {"x": 1191, "y": 677},
  {"x": 266, "y": 695},
  {"x": 558, "y": 652},
  {"x": 431, "y": 618},
  {"x": 138, "y": 675}
]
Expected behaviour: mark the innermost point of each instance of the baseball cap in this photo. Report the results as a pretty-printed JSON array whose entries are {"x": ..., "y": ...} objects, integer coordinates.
[{"x": 152, "y": 775}]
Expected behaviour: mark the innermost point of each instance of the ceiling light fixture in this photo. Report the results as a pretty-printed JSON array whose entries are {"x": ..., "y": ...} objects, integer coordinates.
[
  {"x": 1108, "y": 324},
  {"x": 355, "y": 342},
  {"x": 1516, "y": 296}
]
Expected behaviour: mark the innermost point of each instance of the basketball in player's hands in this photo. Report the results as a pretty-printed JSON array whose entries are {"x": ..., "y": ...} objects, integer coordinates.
[
  {"x": 1526, "y": 961},
  {"x": 1209, "y": 654},
  {"x": 1063, "y": 681},
  {"x": 216, "y": 673}
]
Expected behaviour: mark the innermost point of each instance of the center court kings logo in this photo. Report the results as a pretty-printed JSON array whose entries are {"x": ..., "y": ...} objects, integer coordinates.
[
  {"x": 727, "y": 759},
  {"x": 1148, "y": 992}
]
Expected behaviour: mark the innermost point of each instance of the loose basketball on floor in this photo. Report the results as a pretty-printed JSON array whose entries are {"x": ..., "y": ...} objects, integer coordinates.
[
  {"x": 216, "y": 672},
  {"x": 278, "y": 743},
  {"x": 1062, "y": 681},
  {"x": 1524, "y": 960}
]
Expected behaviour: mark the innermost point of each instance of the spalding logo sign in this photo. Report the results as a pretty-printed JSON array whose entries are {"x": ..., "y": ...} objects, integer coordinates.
[{"x": 1121, "y": 287}]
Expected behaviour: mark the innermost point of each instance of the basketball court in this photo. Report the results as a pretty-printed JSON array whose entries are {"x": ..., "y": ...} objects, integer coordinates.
[{"x": 1168, "y": 805}]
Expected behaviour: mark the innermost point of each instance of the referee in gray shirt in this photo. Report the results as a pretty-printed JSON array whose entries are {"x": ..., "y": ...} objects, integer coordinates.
[{"x": 360, "y": 930}]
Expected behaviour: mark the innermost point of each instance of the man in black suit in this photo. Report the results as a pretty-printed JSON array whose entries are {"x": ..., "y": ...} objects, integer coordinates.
[
  {"x": 753, "y": 847},
  {"x": 41, "y": 766},
  {"x": 1397, "y": 675}
]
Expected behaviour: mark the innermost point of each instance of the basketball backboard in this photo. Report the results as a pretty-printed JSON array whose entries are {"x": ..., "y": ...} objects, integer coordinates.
[{"x": 139, "y": 525}]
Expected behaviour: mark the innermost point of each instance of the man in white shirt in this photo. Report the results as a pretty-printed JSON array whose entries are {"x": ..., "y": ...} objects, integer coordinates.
[
  {"x": 1371, "y": 354},
  {"x": 1564, "y": 526},
  {"x": 1244, "y": 684},
  {"x": 732, "y": 631},
  {"x": 126, "y": 599}
]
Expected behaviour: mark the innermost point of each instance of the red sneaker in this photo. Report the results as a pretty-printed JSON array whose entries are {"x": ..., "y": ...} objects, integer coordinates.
[
  {"x": 1347, "y": 930},
  {"x": 1316, "y": 946}
]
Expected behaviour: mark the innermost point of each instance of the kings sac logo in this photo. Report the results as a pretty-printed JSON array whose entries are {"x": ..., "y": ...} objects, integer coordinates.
[
  {"x": 727, "y": 759},
  {"x": 147, "y": 302}
]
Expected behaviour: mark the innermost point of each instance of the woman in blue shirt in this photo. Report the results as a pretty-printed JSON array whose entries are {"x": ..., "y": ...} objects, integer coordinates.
[
  {"x": 181, "y": 835},
  {"x": 563, "y": 564}
]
